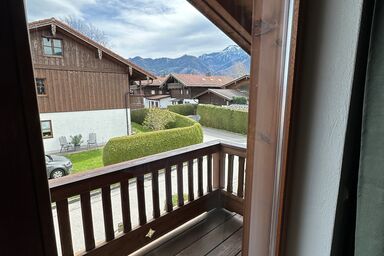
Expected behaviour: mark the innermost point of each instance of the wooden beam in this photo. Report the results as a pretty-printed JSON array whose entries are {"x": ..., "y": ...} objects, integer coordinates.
[
  {"x": 230, "y": 27},
  {"x": 215, "y": 5},
  {"x": 269, "y": 121}
]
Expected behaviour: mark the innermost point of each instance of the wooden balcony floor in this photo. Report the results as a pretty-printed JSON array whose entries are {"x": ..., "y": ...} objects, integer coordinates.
[{"x": 219, "y": 233}]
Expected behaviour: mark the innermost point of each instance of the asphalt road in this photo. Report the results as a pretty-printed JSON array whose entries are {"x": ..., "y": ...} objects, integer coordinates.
[
  {"x": 216, "y": 134},
  {"x": 97, "y": 212}
]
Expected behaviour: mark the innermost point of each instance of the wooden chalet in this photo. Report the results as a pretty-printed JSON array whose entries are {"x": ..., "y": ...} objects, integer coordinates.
[
  {"x": 81, "y": 86},
  {"x": 241, "y": 84},
  {"x": 184, "y": 87},
  {"x": 292, "y": 191},
  {"x": 219, "y": 96}
]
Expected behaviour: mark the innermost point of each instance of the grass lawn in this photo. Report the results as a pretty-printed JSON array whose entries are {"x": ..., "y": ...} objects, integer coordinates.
[
  {"x": 92, "y": 159},
  {"x": 86, "y": 160},
  {"x": 138, "y": 128}
]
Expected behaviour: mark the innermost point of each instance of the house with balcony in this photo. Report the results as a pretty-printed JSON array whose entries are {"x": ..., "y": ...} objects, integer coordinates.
[
  {"x": 312, "y": 168},
  {"x": 81, "y": 86},
  {"x": 220, "y": 97},
  {"x": 241, "y": 84},
  {"x": 184, "y": 87}
]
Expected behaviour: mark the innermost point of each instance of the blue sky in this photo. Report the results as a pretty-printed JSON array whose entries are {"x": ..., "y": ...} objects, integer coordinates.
[{"x": 146, "y": 28}]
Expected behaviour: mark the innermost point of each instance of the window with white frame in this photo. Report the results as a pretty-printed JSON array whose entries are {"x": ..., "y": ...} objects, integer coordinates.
[
  {"x": 46, "y": 129},
  {"x": 52, "y": 46}
]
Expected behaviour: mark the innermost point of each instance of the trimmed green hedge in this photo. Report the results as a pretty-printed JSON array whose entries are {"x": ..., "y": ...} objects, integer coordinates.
[
  {"x": 120, "y": 149},
  {"x": 223, "y": 118},
  {"x": 183, "y": 109},
  {"x": 138, "y": 115}
]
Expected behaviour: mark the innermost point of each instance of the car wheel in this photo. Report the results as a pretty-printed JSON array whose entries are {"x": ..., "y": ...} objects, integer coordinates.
[{"x": 57, "y": 173}]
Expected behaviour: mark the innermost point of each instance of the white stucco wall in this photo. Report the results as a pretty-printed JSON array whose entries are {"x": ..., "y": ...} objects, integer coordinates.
[
  {"x": 163, "y": 103},
  {"x": 105, "y": 123},
  {"x": 331, "y": 32}
]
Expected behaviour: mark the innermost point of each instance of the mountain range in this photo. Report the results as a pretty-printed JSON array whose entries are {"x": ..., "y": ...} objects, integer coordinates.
[{"x": 232, "y": 61}]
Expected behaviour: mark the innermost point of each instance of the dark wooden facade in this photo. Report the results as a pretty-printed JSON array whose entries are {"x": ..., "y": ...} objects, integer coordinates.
[
  {"x": 241, "y": 84},
  {"x": 183, "y": 90},
  {"x": 210, "y": 98},
  {"x": 82, "y": 79}
]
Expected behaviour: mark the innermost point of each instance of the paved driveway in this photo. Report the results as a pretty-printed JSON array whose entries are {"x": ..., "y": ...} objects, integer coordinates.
[{"x": 216, "y": 134}]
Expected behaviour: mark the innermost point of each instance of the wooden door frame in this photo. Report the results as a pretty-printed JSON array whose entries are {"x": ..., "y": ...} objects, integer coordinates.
[
  {"x": 269, "y": 132},
  {"x": 27, "y": 228}
]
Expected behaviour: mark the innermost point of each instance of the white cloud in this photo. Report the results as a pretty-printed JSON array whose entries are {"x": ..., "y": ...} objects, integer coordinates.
[
  {"x": 42, "y": 9},
  {"x": 147, "y": 28}
]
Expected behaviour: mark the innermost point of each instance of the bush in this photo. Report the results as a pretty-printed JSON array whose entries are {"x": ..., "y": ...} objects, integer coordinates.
[
  {"x": 183, "y": 109},
  {"x": 76, "y": 140},
  {"x": 240, "y": 100},
  {"x": 223, "y": 118},
  {"x": 157, "y": 119},
  {"x": 138, "y": 115},
  {"x": 120, "y": 149}
]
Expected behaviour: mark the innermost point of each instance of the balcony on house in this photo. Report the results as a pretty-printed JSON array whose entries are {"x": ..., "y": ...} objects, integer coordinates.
[{"x": 188, "y": 201}]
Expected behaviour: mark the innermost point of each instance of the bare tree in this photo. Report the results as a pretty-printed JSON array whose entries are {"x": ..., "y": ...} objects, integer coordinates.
[{"x": 88, "y": 30}]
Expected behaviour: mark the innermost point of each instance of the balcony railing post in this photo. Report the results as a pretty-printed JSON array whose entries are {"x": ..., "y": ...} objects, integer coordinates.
[{"x": 218, "y": 170}]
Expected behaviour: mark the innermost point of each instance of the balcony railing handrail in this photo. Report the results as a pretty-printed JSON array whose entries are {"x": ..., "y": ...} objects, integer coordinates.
[
  {"x": 76, "y": 184},
  {"x": 207, "y": 159}
]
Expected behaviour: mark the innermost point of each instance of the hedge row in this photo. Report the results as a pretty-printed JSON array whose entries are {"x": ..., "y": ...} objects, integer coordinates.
[
  {"x": 120, "y": 149},
  {"x": 223, "y": 118},
  {"x": 138, "y": 115},
  {"x": 183, "y": 109}
]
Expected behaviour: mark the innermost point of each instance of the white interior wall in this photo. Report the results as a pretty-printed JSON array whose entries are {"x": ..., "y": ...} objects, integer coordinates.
[
  {"x": 105, "y": 123},
  {"x": 331, "y": 32}
]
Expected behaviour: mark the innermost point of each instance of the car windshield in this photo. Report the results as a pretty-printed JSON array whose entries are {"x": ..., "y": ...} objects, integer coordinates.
[{"x": 48, "y": 158}]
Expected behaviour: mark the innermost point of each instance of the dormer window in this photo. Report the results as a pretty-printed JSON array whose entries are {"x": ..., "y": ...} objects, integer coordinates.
[{"x": 52, "y": 46}]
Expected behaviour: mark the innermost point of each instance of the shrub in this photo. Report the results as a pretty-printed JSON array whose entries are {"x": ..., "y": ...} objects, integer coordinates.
[
  {"x": 139, "y": 145},
  {"x": 223, "y": 118},
  {"x": 183, "y": 109},
  {"x": 138, "y": 115},
  {"x": 157, "y": 119},
  {"x": 76, "y": 140},
  {"x": 240, "y": 100}
]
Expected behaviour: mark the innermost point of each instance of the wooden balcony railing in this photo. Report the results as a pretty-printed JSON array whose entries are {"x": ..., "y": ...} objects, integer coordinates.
[
  {"x": 136, "y": 101},
  {"x": 216, "y": 169}
]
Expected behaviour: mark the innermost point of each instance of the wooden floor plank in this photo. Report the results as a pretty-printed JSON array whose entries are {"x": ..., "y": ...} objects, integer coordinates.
[
  {"x": 230, "y": 247},
  {"x": 214, "y": 238},
  {"x": 214, "y": 219}
]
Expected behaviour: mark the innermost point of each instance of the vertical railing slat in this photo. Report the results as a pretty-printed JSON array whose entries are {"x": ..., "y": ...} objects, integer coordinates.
[
  {"x": 126, "y": 212},
  {"x": 168, "y": 188},
  {"x": 222, "y": 168},
  {"x": 240, "y": 187},
  {"x": 209, "y": 173},
  {"x": 190, "y": 181},
  {"x": 180, "y": 189},
  {"x": 86, "y": 213},
  {"x": 230, "y": 174},
  {"x": 107, "y": 213},
  {"x": 155, "y": 194},
  {"x": 141, "y": 199},
  {"x": 200, "y": 191},
  {"x": 64, "y": 227}
]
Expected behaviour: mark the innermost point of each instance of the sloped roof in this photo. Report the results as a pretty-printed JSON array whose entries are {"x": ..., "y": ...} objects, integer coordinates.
[
  {"x": 227, "y": 94},
  {"x": 237, "y": 80},
  {"x": 191, "y": 80},
  {"x": 137, "y": 71},
  {"x": 158, "y": 97}
]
